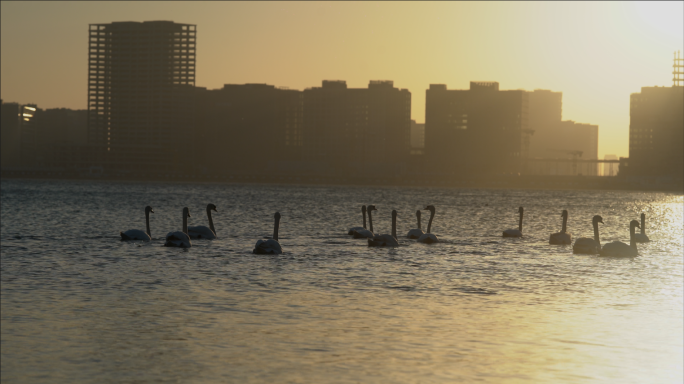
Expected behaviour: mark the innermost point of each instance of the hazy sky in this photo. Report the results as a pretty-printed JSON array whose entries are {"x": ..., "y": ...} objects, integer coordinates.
[{"x": 596, "y": 53}]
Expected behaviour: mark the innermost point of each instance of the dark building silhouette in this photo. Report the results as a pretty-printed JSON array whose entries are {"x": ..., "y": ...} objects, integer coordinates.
[
  {"x": 140, "y": 77},
  {"x": 656, "y": 133},
  {"x": 476, "y": 131},
  {"x": 247, "y": 128},
  {"x": 10, "y": 135},
  {"x": 544, "y": 114},
  {"x": 351, "y": 131}
]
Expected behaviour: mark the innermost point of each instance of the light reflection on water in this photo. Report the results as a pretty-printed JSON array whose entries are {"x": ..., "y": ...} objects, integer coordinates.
[{"x": 78, "y": 305}]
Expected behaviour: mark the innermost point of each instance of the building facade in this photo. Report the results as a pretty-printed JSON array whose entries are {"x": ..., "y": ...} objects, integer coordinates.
[
  {"x": 139, "y": 75},
  {"x": 476, "y": 131}
]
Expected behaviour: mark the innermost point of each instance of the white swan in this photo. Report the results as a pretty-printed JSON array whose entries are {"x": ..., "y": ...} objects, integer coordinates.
[
  {"x": 416, "y": 232},
  {"x": 386, "y": 240},
  {"x": 588, "y": 246},
  {"x": 364, "y": 233},
  {"x": 429, "y": 238},
  {"x": 270, "y": 246},
  {"x": 354, "y": 229},
  {"x": 620, "y": 249},
  {"x": 136, "y": 234},
  {"x": 180, "y": 238},
  {"x": 562, "y": 237},
  {"x": 202, "y": 232},
  {"x": 641, "y": 237},
  {"x": 515, "y": 232}
]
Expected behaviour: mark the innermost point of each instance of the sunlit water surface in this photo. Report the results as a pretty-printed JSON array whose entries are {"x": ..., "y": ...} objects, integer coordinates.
[{"x": 79, "y": 305}]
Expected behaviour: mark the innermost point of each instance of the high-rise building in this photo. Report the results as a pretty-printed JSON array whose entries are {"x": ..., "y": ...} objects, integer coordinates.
[
  {"x": 138, "y": 78},
  {"x": 417, "y": 135},
  {"x": 545, "y": 113},
  {"x": 656, "y": 132},
  {"x": 357, "y": 130},
  {"x": 10, "y": 138},
  {"x": 476, "y": 131}
]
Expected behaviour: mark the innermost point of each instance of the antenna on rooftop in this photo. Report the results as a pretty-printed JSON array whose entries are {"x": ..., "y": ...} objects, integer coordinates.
[{"x": 677, "y": 80}]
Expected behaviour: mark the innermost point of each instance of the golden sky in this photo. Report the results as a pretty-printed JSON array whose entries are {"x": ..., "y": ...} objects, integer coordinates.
[{"x": 596, "y": 53}]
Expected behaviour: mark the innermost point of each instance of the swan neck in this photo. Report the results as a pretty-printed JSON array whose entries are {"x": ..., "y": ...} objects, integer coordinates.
[
  {"x": 185, "y": 223},
  {"x": 275, "y": 228},
  {"x": 418, "y": 216},
  {"x": 370, "y": 221},
  {"x": 147, "y": 223},
  {"x": 520, "y": 222},
  {"x": 394, "y": 226},
  {"x": 432, "y": 216},
  {"x": 632, "y": 241},
  {"x": 596, "y": 233},
  {"x": 211, "y": 221},
  {"x": 364, "y": 218},
  {"x": 565, "y": 223},
  {"x": 643, "y": 225}
]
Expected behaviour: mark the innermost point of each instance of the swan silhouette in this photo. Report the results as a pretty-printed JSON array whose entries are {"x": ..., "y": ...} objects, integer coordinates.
[
  {"x": 620, "y": 249},
  {"x": 561, "y": 237},
  {"x": 641, "y": 237},
  {"x": 416, "y": 232},
  {"x": 202, "y": 232},
  {"x": 270, "y": 246},
  {"x": 588, "y": 246},
  {"x": 386, "y": 240},
  {"x": 515, "y": 232},
  {"x": 354, "y": 229},
  {"x": 364, "y": 233},
  {"x": 136, "y": 234},
  {"x": 180, "y": 238},
  {"x": 429, "y": 238}
]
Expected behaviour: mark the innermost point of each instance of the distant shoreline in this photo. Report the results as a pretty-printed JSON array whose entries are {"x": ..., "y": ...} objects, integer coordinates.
[{"x": 523, "y": 182}]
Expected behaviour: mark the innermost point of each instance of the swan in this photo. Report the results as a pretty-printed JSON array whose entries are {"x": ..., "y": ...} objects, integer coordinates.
[
  {"x": 136, "y": 234},
  {"x": 180, "y": 238},
  {"x": 354, "y": 229},
  {"x": 386, "y": 240},
  {"x": 364, "y": 233},
  {"x": 202, "y": 232},
  {"x": 620, "y": 249},
  {"x": 641, "y": 237},
  {"x": 515, "y": 232},
  {"x": 587, "y": 246},
  {"x": 270, "y": 246},
  {"x": 416, "y": 232},
  {"x": 561, "y": 237},
  {"x": 429, "y": 238}
]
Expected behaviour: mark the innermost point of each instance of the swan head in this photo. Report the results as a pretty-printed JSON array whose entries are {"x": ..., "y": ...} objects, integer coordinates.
[
  {"x": 634, "y": 224},
  {"x": 363, "y": 208},
  {"x": 520, "y": 209},
  {"x": 418, "y": 213},
  {"x": 186, "y": 212},
  {"x": 565, "y": 213},
  {"x": 430, "y": 208},
  {"x": 597, "y": 219},
  {"x": 277, "y": 216},
  {"x": 211, "y": 207},
  {"x": 148, "y": 209},
  {"x": 394, "y": 214},
  {"x": 643, "y": 216},
  {"x": 371, "y": 208}
]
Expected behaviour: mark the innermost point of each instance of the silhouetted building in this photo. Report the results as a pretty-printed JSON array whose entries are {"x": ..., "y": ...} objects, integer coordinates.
[
  {"x": 357, "y": 130},
  {"x": 140, "y": 77},
  {"x": 247, "y": 128},
  {"x": 476, "y": 131},
  {"x": 417, "y": 135},
  {"x": 10, "y": 135},
  {"x": 656, "y": 132},
  {"x": 62, "y": 138},
  {"x": 545, "y": 113}
]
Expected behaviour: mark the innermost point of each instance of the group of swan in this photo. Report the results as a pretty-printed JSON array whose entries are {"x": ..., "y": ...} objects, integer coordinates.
[
  {"x": 391, "y": 240},
  {"x": 182, "y": 238}
]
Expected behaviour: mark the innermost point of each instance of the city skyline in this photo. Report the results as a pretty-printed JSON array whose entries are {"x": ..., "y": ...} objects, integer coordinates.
[{"x": 595, "y": 54}]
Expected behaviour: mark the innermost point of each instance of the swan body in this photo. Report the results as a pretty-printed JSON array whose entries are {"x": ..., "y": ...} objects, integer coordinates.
[
  {"x": 588, "y": 246},
  {"x": 429, "y": 238},
  {"x": 270, "y": 246},
  {"x": 562, "y": 237},
  {"x": 202, "y": 232},
  {"x": 620, "y": 249},
  {"x": 353, "y": 230},
  {"x": 136, "y": 234},
  {"x": 180, "y": 238},
  {"x": 416, "y": 232},
  {"x": 641, "y": 237},
  {"x": 386, "y": 240},
  {"x": 515, "y": 232},
  {"x": 364, "y": 233}
]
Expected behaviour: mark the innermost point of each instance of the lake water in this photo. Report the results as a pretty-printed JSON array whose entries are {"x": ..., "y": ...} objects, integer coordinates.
[{"x": 81, "y": 306}]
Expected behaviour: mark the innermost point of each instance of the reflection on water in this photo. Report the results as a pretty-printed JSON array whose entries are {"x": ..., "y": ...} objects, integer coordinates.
[{"x": 78, "y": 305}]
